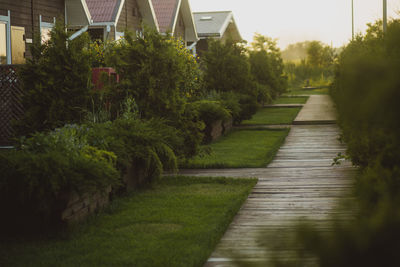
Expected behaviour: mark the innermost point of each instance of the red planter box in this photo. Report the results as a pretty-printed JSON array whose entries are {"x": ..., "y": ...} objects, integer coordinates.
[{"x": 97, "y": 73}]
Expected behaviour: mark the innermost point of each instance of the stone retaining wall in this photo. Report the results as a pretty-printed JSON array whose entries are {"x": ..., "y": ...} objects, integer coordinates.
[
  {"x": 217, "y": 129},
  {"x": 78, "y": 207}
]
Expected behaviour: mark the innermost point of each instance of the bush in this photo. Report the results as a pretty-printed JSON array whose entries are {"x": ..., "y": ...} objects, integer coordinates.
[
  {"x": 56, "y": 82},
  {"x": 144, "y": 145},
  {"x": 42, "y": 168},
  {"x": 227, "y": 72},
  {"x": 163, "y": 77},
  {"x": 211, "y": 112},
  {"x": 226, "y": 68}
]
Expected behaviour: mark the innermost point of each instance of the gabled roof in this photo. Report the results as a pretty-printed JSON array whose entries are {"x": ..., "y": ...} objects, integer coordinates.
[
  {"x": 108, "y": 11},
  {"x": 148, "y": 13},
  {"x": 77, "y": 13},
  {"x": 104, "y": 10},
  {"x": 216, "y": 24},
  {"x": 167, "y": 12}
]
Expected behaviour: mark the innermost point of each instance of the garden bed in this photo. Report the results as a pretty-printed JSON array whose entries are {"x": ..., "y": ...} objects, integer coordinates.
[{"x": 176, "y": 223}]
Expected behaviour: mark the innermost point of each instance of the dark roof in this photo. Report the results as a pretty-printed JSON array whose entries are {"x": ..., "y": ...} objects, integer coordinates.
[
  {"x": 165, "y": 12},
  {"x": 103, "y": 10}
]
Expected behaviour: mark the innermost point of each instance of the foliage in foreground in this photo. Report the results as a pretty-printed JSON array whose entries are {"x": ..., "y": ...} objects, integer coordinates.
[
  {"x": 81, "y": 159},
  {"x": 366, "y": 91},
  {"x": 176, "y": 223},
  {"x": 163, "y": 78},
  {"x": 56, "y": 82},
  {"x": 43, "y": 168}
]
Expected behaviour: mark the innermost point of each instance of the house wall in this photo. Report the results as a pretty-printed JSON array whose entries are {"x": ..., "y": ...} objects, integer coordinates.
[
  {"x": 180, "y": 27},
  {"x": 25, "y": 13},
  {"x": 201, "y": 47},
  {"x": 229, "y": 34},
  {"x": 130, "y": 18}
]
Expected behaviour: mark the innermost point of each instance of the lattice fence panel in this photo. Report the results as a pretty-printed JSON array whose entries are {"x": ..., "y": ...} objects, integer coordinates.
[{"x": 10, "y": 101}]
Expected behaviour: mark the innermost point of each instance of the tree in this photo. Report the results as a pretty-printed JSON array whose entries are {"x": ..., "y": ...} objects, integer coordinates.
[
  {"x": 266, "y": 67},
  {"x": 295, "y": 52},
  {"x": 158, "y": 71},
  {"x": 227, "y": 71},
  {"x": 226, "y": 67},
  {"x": 319, "y": 55},
  {"x": 163, "y": 77},
  {"x": 56, "y": 82}
]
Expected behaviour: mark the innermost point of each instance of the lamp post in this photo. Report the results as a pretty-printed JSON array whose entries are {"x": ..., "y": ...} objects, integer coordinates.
[
  {"x": 352, "y": 19},
  {"x": 384, "y": 16}
]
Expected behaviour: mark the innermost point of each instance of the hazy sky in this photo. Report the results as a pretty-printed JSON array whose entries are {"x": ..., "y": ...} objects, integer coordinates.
[{"x": 293, "y": 21}]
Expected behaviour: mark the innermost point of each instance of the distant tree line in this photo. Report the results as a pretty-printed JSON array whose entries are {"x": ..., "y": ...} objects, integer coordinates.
[{"x": 309, "y": 63}]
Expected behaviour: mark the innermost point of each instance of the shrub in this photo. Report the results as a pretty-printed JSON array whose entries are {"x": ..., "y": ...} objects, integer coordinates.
[
  {"x": 145, "y": 145},
  {"x": 42, "y": 168},
  {"x": 230, "y": 101},
  {"x": 211, "y": 111},
  {"x": 161, "y": 74},
  {"x": 56, "y": 82},
  {"x": 227, "y": 71}
]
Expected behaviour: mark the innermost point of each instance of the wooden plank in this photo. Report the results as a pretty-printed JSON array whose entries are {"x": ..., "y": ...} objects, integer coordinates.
[{"x": 299, "y": 183}]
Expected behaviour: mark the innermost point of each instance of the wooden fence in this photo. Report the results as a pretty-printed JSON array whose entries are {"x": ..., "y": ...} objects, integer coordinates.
[{"x": 10, "y": 101}]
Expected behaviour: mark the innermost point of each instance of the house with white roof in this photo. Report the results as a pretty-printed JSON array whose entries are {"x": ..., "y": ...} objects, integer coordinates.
[{"x": 218, "y": 25}]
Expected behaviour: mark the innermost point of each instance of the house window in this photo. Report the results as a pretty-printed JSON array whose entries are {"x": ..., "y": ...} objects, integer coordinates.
[
  {"x": 45, "y": 34},
  {"x": 119, "y": 35},
  {"x": 45, "y": 29},
  {"x": 3, "y": 43},
  {"x": 5, "y": 39}
]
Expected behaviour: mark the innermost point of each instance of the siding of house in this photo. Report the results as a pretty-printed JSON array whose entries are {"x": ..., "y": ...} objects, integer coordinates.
[
  {"x": 130, "y": 18},
  {"x": 229, "y": 33},
  {"x": 202, "y": 46},
  {"x": 180, "y": 27},
  {"x": 25, "y": 13}
]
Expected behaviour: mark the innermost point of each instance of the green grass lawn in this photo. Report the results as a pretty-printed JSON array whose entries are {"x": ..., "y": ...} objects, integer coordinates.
[
  {"x": 323, "y": 91},
  {"x": 270, "y": 116},
  {"x": 242, "y": 148},
  {"x": 176, "y": 223},
  {"x": 291, "y": 100}
]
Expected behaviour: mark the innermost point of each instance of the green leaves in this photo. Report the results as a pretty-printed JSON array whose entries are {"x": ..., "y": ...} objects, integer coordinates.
[{"x": 56, "y": 81}]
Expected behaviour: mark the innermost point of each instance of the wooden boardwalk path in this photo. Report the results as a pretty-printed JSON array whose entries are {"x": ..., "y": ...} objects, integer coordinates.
[
  {"x": 319, "y": 109},
  {"x": 299, "y": 183}
]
